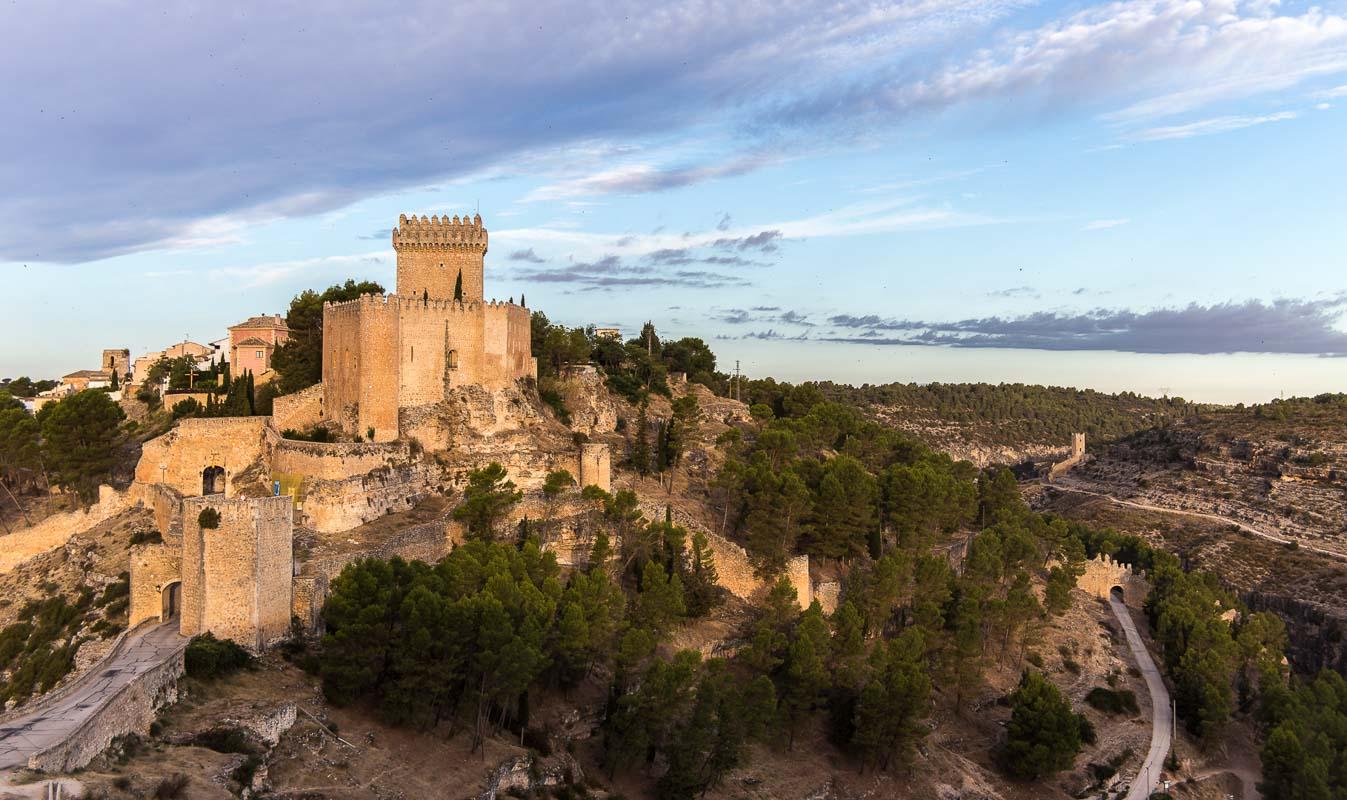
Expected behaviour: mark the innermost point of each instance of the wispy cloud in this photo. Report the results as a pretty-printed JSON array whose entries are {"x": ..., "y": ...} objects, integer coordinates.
[
  {"x": 1206, "y": 127},
  {"x": 1104, "y": 224},
  {"x": 1278, "y": 326},
  {"x": 251, "y": 276},
  {"x": 1014, "y": 291},
  {"x": 642, "y": 178},
  {"x": 526, "y": 254}
]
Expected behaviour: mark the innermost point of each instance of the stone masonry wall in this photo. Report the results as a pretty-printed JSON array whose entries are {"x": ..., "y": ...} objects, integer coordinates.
[
  {"x": 299, "y": 411},
  {"x": 596, "y": 466},
  {"x": 153, "y": 567},
  {"x": 428, "y": 542},
  {"x": 57, "y": 529},
  {"x": 236, "y": 577},
  {"x": 334, "y": 460},
  {"x": 130, "y": 710},
  {"x": 178, "y": 457},
  {"x": 307, "y": 593}
]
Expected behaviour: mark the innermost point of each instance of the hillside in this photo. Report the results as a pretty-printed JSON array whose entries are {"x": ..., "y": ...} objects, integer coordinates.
[{"x": 1008, "y": 423}]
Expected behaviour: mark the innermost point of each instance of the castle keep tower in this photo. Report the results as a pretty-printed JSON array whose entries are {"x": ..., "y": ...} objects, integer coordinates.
[
  {"x": 385, "y": 355},
  {"x": 434, "y": 252}
]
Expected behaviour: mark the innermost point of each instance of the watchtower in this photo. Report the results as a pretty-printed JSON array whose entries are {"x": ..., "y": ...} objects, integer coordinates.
[
  {"x": 435, "y": 254},
  {"x": 1077, "y": 445}
]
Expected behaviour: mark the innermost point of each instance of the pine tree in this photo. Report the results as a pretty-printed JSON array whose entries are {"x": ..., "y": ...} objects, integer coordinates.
[
  {"x": 640, "y": 452},
  {"x": 1043, "y": 735}
]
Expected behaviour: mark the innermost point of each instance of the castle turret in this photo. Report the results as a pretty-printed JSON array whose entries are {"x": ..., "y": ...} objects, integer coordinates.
[{"x": 440, "y": 258}]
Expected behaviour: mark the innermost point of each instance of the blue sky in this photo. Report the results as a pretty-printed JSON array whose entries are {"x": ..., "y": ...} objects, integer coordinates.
[{"x": 1144, "y": 194}]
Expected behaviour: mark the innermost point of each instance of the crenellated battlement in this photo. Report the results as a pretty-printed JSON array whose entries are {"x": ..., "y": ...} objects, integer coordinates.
[
  {"x": 440, "y": 233},
  {"x": 403, "y": 303}
]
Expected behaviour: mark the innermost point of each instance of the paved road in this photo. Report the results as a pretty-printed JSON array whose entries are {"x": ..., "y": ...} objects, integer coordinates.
[
  {"x": 1271, "y": 537},
  {"x": 52, "y": 723},
  {"x": 1161, "y": 712}
]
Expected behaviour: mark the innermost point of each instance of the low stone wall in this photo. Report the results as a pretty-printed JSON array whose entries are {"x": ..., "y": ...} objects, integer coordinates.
[
  {"x": 307, "y": 595},
  {"x": 335, "y": 460},
  {"x": 428, "y": 542},
  {"x": 298, "y": 411},
  {"x": 56, "y": 530},
  {"x": 130, "y": 710}
]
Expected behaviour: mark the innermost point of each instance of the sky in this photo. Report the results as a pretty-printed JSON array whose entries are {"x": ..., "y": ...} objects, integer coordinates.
[{"x": 1140, "y": 195}]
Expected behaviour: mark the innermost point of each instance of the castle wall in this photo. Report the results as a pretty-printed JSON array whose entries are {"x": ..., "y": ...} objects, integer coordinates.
[
  {"x": 178, "y": 457},
  {"x": 341, "y": 362},
  {"x": 334, "y": 460},
  {"x": 299, "y": 411},
  {"x": 428, "y": 542},
  {"x": 56, "y": 530},
  {"x": 307, "y": 594},
  {"x": 236, "y": 578},
  {"x": 153, "y": 567}
]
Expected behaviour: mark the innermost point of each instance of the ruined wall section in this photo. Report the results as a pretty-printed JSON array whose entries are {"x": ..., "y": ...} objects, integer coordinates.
[
  {"x": 596, "y": 466},
  {"x": 298, "y": 411},
  {"x": 56, "y": 530},
  {"x": 153, "y": 568},
  {"x": 335, "y": 460},
  {"x": 1102, "y": 573},
  {"x": 178, "y": 457},
  {"x": 236, "y": 577}
]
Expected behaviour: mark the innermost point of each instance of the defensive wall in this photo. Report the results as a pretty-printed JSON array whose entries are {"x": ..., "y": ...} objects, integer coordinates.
[
  {"x": 1076, "y": 456},
  {"x": 154, "y": 569},
  {"x": 298, "y": 411},
  {"x": 56, "y": 530},
  {"x": 1102, "y": 573},
  {"x": 130, "y": 710},
  {"x": 236, "y": 576},
  {"x": 382, "y": 353},
  {"x": 428, "y": 542},
  {"x": 172, "y": 399},
  {"x": 177, "y": 458}
]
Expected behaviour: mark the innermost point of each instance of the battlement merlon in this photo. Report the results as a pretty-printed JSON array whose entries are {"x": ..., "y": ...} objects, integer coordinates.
[{"x": 440, "y": 233}]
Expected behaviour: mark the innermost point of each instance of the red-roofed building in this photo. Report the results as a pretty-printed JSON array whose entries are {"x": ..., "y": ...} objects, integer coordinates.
[{"x": 252, "y": 342}]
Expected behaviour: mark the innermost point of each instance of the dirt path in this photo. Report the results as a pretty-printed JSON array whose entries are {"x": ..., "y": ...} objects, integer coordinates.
[
  {"x": 1162, "y": 720},
  {"x": 50, "y": 724},
  {"x": 1271, "y": 537}
]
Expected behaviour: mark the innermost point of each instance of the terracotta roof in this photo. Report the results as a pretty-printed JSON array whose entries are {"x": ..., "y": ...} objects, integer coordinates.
[
  {"x": 269, "y": 321},
  {"x": 88, "y": 373},
  {"x": 253, "y": 341}
]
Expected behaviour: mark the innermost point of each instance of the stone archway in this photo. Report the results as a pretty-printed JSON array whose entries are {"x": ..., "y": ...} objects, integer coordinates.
[
  {"x": 213, "y": 480},
  {"x": 171, "y": 599}
]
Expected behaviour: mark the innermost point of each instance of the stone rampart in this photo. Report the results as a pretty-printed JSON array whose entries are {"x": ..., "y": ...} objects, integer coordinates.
[
  {"x": 56, "y": 530},
  {"x": 130, "y": 710},
  {"x": 307, "y": 594},
  {"x": 334, "y": 460},
  {"x": 428, "y": 542},
  {"x": 162, "y": 501},
  {"x": 153, "y": 568},
  {"x": 1102, "y": 574},
  {"x": 179, "y": 457},
  {"x": 298, "y": 411},
  {"x": 172, "y": 399}
]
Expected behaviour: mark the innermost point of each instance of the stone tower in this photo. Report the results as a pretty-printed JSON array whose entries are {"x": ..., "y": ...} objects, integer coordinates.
[
  {"x": 434, "y": 252},
  {"x": 1077, "y": 445},
  {"x": 236, "y": 576},
  {"x": 118, "y": 360}
]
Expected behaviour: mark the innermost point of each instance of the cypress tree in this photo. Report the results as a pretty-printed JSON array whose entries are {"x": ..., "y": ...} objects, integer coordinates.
[
  {"x": 640, "y": 452},
  {"x": 458, "y": 287},
  {"x": 114, "y": 385}
]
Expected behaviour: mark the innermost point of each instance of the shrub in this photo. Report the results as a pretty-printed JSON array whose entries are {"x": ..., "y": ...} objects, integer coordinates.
[
  {"x": 318, "y": 434},
  {"x": 1113, "y": 701},
  {"x": 208, "y": 658},
  {"x": 171, "y": 788},
  {"x": 146, "y": 536},
  {"x": 209, "y": 518},
  {"x": 225, "y": 740}
]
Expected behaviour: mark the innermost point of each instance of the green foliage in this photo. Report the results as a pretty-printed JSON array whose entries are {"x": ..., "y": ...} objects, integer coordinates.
[
  {"x": 20, "y": 443},
  {"x": 488, "y": 496},
  {"x": 80, "y": 439},
  {"x": 315, "y": 434},
  {"x": 208, "y": 519},
  {"x": 1112, "y": 701},
  {"x": 298, "y": 361},
  {"x": 557, "y": 481},
  {"x": 208, "y": 658},
  {"x": 39, "y": 650},
  {"x": 24, "y": 386},
  {"x": 1306, "y": 743},
  {"x": 467, "y": 636},
  {"x": 1044, "y": 734}
]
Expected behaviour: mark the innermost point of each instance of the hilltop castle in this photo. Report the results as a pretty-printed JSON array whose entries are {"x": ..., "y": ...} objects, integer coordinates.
[{"x": 384, "y": 356}]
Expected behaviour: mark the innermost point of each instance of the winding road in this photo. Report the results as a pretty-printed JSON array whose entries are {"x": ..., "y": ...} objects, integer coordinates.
[
  {"x": 50, "y": 723},
  {"x": 1162, "y": 720}
]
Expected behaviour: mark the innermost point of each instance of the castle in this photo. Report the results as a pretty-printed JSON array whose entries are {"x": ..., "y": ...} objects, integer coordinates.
[
  {"x": 385, "y": 356},
  {"x": 433, "y": 368}
]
